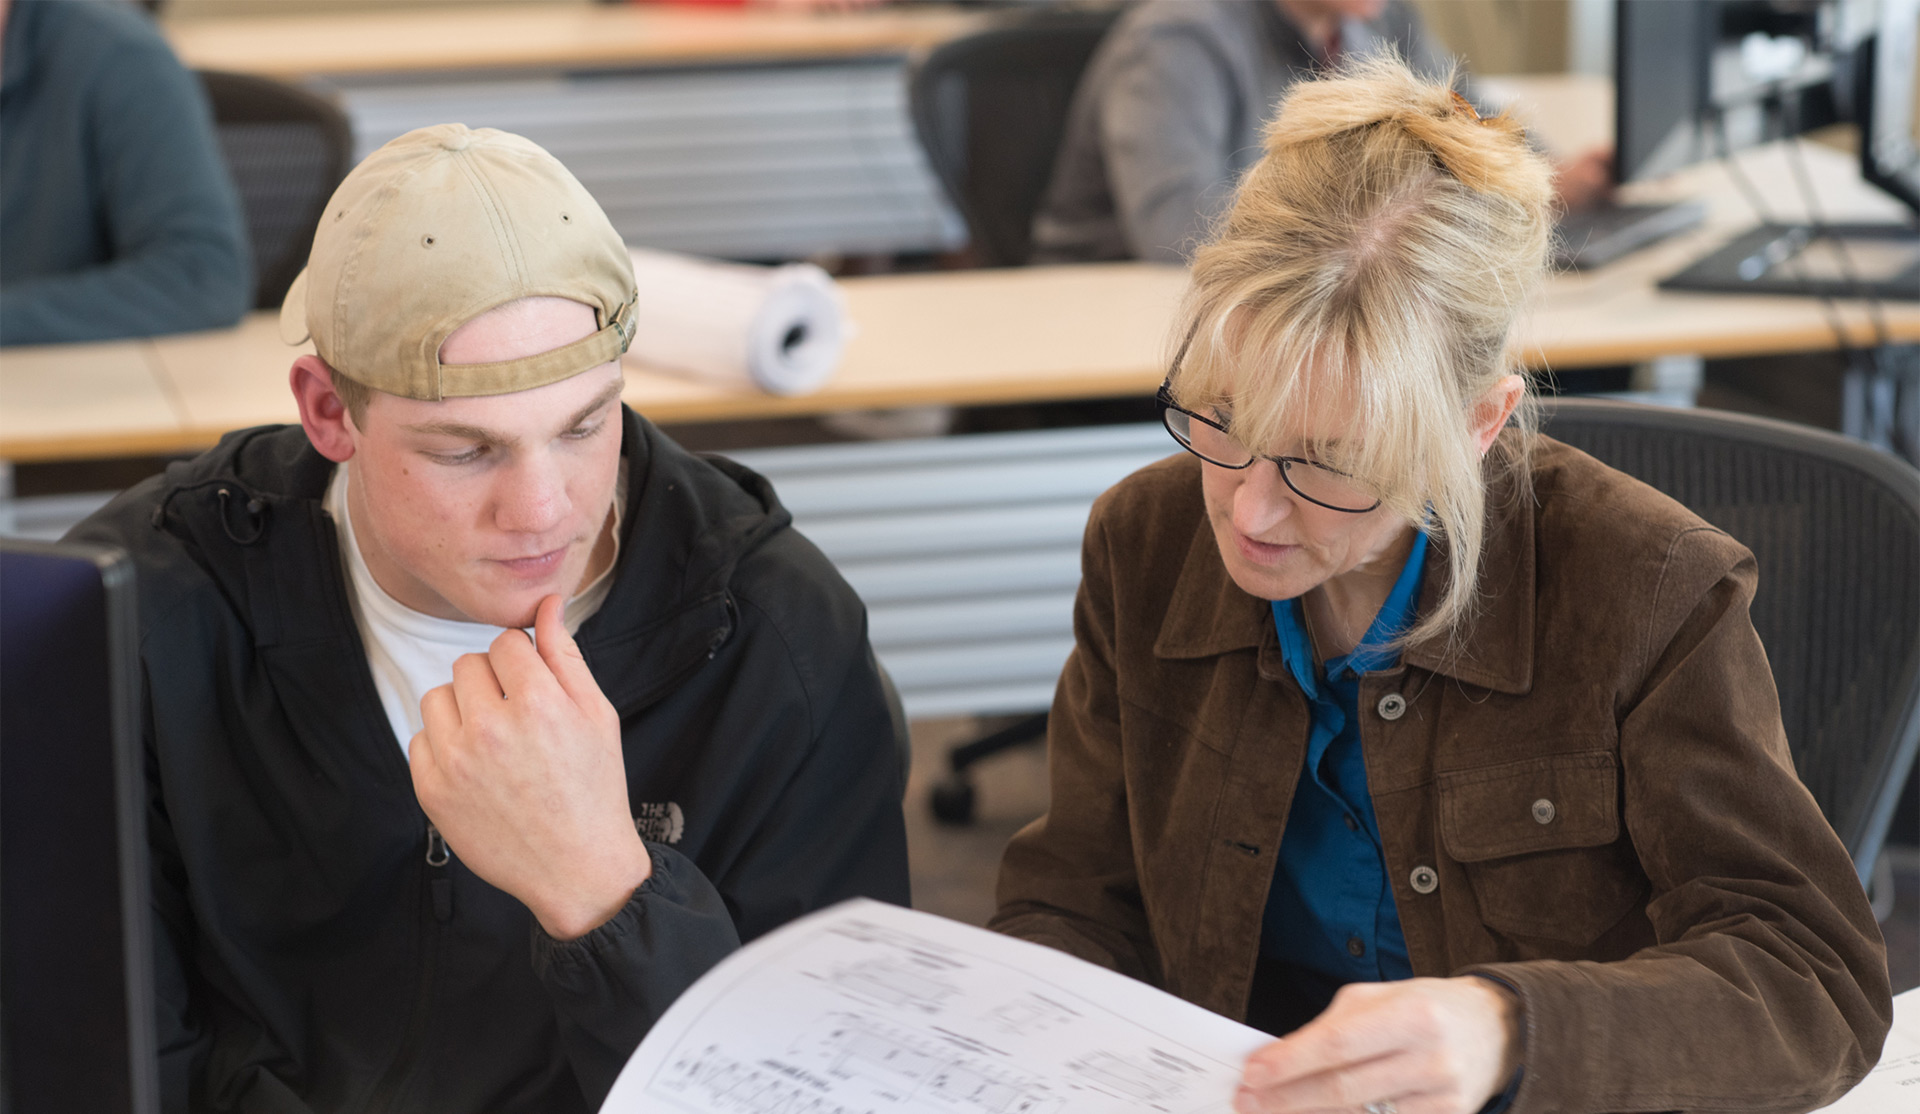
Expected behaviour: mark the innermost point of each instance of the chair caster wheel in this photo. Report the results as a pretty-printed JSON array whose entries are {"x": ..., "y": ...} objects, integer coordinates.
[{"x": 952, "y": 801}]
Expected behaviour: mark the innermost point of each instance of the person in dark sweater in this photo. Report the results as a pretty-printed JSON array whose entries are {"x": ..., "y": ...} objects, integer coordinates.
[
  {"x": 117, "y": 217},
  {"x": 405, "y": 856}
]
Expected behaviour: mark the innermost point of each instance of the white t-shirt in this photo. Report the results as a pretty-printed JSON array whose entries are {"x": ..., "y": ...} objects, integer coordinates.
[{"x": 411, "y": 652}]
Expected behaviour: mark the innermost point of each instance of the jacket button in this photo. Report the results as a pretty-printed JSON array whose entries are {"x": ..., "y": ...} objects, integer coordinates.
[
  {"x": 1543, "y": 811},
  {"x": 1356, "y": 947},
  {"x": 1424, "y": 880},
  {"x": 1392, "y": 706}
]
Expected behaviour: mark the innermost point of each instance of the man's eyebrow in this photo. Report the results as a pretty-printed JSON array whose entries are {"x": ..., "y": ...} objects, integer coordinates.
[
  {"x": 612, "y": 393},
  {"x": 461, "y": 431}
]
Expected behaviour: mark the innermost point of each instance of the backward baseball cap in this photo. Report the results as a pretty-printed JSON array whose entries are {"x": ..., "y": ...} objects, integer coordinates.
[{"x": 436, "y": 228}]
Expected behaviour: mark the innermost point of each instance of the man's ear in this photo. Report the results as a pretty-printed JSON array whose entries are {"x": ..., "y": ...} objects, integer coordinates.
[{"x": 323, "y": 413}]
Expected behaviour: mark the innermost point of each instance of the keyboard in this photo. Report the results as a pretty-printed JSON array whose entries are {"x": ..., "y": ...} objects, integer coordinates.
[{"x": 1596, "y": 236}]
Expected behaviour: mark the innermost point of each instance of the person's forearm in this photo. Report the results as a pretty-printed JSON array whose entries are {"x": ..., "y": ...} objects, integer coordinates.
[
  {"x": 612, "y": 984},
  {"x": 587, "y": 895},
  {"x": 180, "y": 288}
]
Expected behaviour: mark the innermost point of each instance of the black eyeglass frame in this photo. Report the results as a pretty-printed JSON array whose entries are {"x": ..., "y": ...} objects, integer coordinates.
[{"x": 1164, "y": 400}]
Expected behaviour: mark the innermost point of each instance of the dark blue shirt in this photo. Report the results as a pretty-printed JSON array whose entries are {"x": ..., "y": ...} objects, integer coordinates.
[
  {"x": 117, "y": 217},
  {"x": 1330, "y": 908}
]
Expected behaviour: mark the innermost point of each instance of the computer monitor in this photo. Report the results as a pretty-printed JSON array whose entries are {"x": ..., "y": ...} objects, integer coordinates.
[
  {"x": 1694, "y": 80},
  {"x": 1660, "y": 91},
  {"x": 76, "y": 985},
  {"x": 1703, "y": 79},
  {"x": 1888, "y": 102},
  {"x": 1697, "y": 79}
]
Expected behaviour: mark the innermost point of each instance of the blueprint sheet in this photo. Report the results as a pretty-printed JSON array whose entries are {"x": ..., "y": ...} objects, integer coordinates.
[{"x": 867, "y": 1008}]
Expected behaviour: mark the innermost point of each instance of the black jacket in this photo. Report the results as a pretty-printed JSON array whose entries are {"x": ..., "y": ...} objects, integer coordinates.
[{"x": 308, "y": 954}]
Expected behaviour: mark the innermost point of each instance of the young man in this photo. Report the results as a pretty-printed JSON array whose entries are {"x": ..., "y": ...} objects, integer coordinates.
[{"x": 405, "y": 856}]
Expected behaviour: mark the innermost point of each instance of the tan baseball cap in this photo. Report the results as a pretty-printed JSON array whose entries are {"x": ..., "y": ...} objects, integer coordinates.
[{"x": 436, "y": 228}]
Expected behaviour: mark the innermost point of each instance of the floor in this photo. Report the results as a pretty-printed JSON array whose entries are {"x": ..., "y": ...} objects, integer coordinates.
[{"x": 953, "y": 868}]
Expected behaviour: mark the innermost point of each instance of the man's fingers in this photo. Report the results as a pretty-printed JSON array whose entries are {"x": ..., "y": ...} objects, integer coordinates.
[
  {"x": 439, "y": 711},
  {"x": 562, "y": 654},
  {"x": 475, "y": 682},
  {"x": 516, "y": 664},
  {"x": 423, "y": 763},
  {"x": 521, "y": 668}
]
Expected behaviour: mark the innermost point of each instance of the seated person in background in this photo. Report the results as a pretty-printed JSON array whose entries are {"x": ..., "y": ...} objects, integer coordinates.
[
  {"x": 117, "y": 217},
  {"x": 405, "y": 858},
  {"x": 1402, "y": 729},
  {"x": 1168, "y": 115}
]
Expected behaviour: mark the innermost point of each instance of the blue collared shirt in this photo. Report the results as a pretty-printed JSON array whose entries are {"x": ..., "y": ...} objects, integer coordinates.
[{"x": 1330, "y": 908}]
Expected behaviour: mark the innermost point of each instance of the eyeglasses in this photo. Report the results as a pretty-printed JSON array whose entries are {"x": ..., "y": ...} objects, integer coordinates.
[{"x": 1210, "y": 441}]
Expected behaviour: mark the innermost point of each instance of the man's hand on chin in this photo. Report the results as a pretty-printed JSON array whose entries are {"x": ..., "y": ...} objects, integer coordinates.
[{"x": 520, "y": 768}]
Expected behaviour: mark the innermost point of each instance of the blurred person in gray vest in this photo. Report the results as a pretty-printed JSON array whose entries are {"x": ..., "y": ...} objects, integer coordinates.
[{"x": 1169, "y": 112}]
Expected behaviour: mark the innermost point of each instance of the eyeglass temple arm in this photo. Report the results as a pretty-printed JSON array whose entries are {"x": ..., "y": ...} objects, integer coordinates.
[{"x": 1179, "y": 357}]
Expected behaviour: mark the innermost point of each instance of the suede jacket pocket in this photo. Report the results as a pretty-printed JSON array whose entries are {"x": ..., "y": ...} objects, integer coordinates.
[{"x": 1541, "y": 843}]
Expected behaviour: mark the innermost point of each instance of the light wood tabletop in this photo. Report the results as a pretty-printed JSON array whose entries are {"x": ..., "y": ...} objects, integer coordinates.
[
  {"x": 957, "y": 337},
  {"x": 84, "y": 400},
  {"x": 974, "y": 337},
  {"x": 586, "y": 36}
]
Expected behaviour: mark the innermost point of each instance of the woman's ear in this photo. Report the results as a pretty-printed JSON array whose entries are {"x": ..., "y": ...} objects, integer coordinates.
[
  {"x": 323, "y": 413},
  {"x": 1491, "y": 412}
]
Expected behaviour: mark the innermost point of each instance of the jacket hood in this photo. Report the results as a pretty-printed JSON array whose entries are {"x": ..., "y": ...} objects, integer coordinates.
[{"x": 250, "y": 513}]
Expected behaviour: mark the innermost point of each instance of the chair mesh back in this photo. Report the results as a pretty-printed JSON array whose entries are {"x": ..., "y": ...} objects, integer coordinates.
[
  {"x": 990, "y": 109},
  {"x": 1834, "y": 527},
  {"x": 286, "y": 150}
]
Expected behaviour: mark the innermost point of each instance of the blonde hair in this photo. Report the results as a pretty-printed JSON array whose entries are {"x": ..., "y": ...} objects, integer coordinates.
[
  {"x": 1375, "y": 259},
  {"x": 354, "y": 394}
]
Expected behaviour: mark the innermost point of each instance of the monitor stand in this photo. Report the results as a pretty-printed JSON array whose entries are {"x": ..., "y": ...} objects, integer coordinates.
[{"x": 1823, "y": 261}]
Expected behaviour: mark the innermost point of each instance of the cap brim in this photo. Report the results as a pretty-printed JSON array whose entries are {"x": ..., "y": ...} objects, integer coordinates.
[{"x": 293, "y": 312}]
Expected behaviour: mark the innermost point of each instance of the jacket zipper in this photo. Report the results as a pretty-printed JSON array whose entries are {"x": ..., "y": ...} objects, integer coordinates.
[{"x": 435, "y": 913}]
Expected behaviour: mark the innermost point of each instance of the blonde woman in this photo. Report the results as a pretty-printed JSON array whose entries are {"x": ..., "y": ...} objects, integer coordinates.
[{"x": 1398, "y": 728}]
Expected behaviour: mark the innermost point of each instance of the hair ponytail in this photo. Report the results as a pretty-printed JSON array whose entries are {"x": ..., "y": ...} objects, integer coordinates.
[{"x": 1488, "y": 154}]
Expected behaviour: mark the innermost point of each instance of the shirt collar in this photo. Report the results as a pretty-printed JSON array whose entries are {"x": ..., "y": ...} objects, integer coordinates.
[{"x": 1373, "y": 652}]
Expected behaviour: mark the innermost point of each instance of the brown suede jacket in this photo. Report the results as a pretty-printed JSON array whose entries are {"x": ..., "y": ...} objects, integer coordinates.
[{"x": 1684, "y": 930}]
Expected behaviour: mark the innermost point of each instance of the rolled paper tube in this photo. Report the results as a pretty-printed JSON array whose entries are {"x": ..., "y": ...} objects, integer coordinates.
[{"x": 780, "y": 329}]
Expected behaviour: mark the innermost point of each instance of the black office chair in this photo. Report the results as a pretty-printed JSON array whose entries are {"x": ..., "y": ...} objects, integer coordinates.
[
  {"x": 1835, "y": 528},
  {"x": 989, "y": 109},
  {"x": 287, "y": 150}
]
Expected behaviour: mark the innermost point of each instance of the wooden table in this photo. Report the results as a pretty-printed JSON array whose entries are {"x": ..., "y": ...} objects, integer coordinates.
[
  {"x": 975, "y": 337},
  {"x": 586, "y": 36},
  {"x": 961, "y": 337}
]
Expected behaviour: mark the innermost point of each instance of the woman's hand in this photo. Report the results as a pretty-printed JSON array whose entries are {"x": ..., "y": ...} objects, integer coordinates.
[{"x": 1427, "y": 1046}]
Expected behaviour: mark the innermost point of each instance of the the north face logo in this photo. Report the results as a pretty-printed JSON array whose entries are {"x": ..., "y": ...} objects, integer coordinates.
[{"x": 661, "y": 823}]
